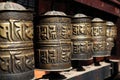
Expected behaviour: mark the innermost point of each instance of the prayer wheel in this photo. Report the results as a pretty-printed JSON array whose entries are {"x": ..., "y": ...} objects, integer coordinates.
[
  {"x": 111, "y": 33},
  {"x": 53, "y": 42},
  {"x": 99, "y": 37},
  {"x": 82, "y": 41},
  {"x": 81, "y": 37},
  {"x": 16, "y": 42}
]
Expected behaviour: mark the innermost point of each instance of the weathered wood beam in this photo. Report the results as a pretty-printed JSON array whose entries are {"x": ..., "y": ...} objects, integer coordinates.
[
  {"x": 106, "y": 7},
  {"x": 115, "y": 1}
]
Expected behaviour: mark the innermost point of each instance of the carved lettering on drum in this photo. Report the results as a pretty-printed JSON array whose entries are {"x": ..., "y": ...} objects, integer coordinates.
[
  {"x": 111, "y": 32},
  {"x": 98, "y": 31},
  {"x": 4, "y": 64},
  {"x": 47, "y": 32},
  {"x": 66, "y": 53},
  {"x": 14, "y": 30},
  {"x": 65, "y": 32},
  {"x": 81, "y": 29},
  {"x": 29, "y": 61},
  {"x": 99, "y": 46},
  {"x": 48, "y": 56},
  {"x": 81, "y": 47},
  {"x": 16, "y": 62}
]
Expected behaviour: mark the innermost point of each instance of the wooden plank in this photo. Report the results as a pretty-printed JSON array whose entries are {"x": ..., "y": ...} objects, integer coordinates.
[
  {"x": 101, "y": 6},
  {"x": 92, "y": 72}
]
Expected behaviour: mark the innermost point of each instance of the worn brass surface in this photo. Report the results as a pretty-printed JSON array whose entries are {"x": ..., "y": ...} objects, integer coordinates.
[
  {"x": 16, "y": 45},
  {"x": 81, "y": 38},
  {"x": 99, "y": 38},
  {"x": 53, "y": 43},
  {"x": 111, "y": 34}
]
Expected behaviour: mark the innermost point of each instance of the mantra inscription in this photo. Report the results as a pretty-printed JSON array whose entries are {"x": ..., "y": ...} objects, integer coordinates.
[
  {"x": 14, "y": 30},
  {"x": 50, "y": 32},
  {"x": 54, "y": 56},
  {"x": 47, "y": 32},
  {"x": 16, "y": 55},
  {"x": 98, "y": 31},
  {"x": 82, "y": 39},
  {"x": 111, "y": 32},
  {"x": 99, "y": 38},
  {"x": 53, "y": 43},
  {"x": 16, "y": 61},
  {"x": 81, "y": 29},
  {"x": 99, "y": 46},
  {"x": 80, "y": 47}
]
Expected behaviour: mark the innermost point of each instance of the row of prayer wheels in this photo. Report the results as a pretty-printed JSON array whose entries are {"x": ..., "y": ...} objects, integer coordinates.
[{"x": 58, "y": 39}]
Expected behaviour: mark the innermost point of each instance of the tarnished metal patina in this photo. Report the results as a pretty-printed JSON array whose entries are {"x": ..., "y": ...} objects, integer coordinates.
[
  {"x": 99, "y": 37},
  {"x": 16, "y": 44},
  {"x": 53, "y": 42},
  {"x": 81, "y": 37},
  {"x": 111, "y": 33}
]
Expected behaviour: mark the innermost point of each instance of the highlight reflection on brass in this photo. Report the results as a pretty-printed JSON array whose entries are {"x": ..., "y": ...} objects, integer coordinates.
[{"x": 111, "y": 34}]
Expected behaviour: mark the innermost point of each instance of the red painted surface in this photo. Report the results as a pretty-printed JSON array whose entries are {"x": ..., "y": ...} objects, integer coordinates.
[
  {"x": 116, "y": 1},
  {"x": 118, "y": 38},
  {"x": 101, "y": 6},
  {"x": 44, "y": 6}
]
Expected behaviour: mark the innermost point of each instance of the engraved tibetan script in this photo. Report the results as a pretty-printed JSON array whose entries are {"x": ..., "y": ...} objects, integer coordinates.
[
  {"x": 65, "y": 32},
  {"x": 81, "y": 47},
  {"x": 81, "y": 29},
  {"x": 48, "y": 56},
  {"x": 111, "y": 32},
  {"x": 98, "y": 31},
  {"x": 13, "y": 30},
  {"x": 99, "y": 46},
  {"x": 16, "y": 62},
  {"x": 47, "y": 32},
  {"x": 66, "y": 54}
]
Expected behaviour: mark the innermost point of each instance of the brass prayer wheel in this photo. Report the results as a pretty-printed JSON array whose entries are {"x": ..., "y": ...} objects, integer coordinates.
[
  {"x": 111, "y": 33},
  {"x": 53, "y": 42},
  {"x": 16, "y": 42},
  {"x": 81, "y": 37},
  {"x": 99, "y": 37}
]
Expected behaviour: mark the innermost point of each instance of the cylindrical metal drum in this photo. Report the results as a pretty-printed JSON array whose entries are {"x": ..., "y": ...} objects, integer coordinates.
[
  {"x": 81, "y": 37},
  {"x": 53, "y": 42},
  {"x": 16, "y": 45},
  {"x": 99, "y": 37},
  {"x": 111, "y": 33}
]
